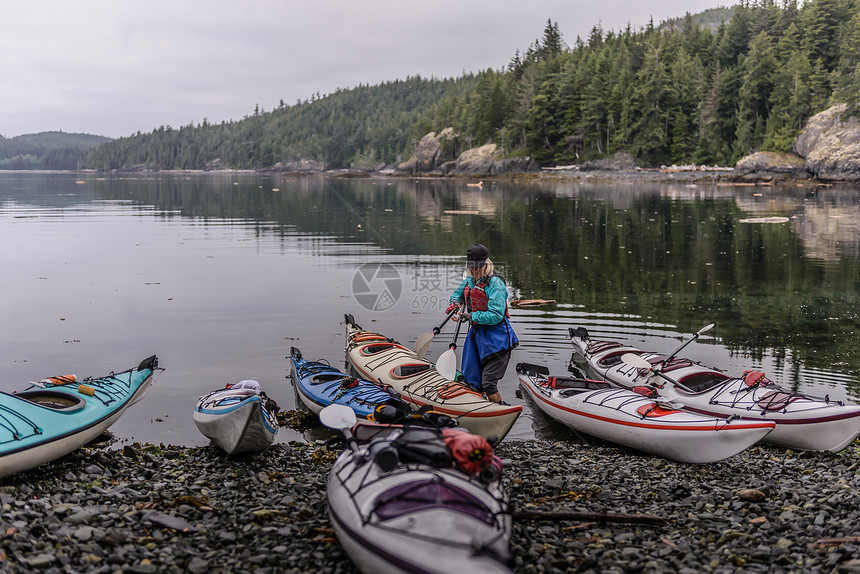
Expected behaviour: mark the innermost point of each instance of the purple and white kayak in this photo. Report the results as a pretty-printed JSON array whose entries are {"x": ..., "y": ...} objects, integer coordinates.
[
  {"x": 802, "y": 422},
  {"x": 632, "y": 419},
  {"x": 393, "y": 515}
]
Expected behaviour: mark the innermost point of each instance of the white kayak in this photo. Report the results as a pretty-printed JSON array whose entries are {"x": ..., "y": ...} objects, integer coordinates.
[
  {"x": 378, "y": 358},
  {"x": 399, "y": 504},
  {"x": 802, "y": 421},
  {"x": 632, "y": 419},
  {"x": 239, "y": 418}
]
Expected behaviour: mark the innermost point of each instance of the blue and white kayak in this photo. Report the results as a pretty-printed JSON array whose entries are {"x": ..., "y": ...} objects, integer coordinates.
[
  {"x": 318, "y": 385},
  {"x": 57, "y": 415},
  {"x": 239, "y": 418}
]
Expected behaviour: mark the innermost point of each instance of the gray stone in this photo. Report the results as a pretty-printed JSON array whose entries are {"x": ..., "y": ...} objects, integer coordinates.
[
  {"x": 428, "y": 152},
  {"x": 773, "y": 163},
  {"x": 830, "y": 142},
  {"x": 198, "y": 565}
]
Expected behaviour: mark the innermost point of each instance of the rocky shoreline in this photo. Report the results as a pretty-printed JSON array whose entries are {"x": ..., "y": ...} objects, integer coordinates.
[{"x": 147, "y": 508}]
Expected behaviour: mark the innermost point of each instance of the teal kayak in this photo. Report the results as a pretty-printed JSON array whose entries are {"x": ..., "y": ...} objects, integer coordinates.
[{"x": 60, "y": 414}]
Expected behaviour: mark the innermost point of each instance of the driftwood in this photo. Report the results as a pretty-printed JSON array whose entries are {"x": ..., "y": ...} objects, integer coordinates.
[
  {"x": 588, "y": 516},
  {"x": 531, "y": 302},
  {"x": 828, "y": 542}
]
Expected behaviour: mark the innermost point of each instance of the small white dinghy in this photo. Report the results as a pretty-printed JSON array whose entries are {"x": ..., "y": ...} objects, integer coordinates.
[
  {"x": 401, "y": 500},
  {"x": 239, "y": 418},
  {"x": 632, "y": 419},
  {"x": 802, "y": 421}
]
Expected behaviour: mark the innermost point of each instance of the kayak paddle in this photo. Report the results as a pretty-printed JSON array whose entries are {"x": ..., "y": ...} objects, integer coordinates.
[
  {"x": 690, "y": 340},
  {"x": 422, "y": 343},
  {"x": 447, "y": 363},
  {"x": 342, "y": 418}
]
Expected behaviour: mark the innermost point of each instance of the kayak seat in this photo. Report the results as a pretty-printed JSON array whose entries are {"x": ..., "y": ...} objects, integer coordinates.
[
  {"x": 327, "y": 378},
  {"x": 54, "y": 400},
  {"x": 776, "y": 400},
  {"x": 611, "y": 360},
  {"x": 452, "y": 390},
  {"x": 702, "y": 382},
  {"x": 600, "y": 346},
  {"x": 374, "y": 349},
  {"x": 576, "y": 383},
  {"x": 409, "y": 370},
  {"x": 421, "y": 495},
  {"x": 654, "y": 410}
]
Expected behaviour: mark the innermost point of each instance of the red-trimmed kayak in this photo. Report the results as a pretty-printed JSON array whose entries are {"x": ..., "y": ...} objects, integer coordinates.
[
  {"x": 802, "y": 422},
  {"x": 60, "y": 414},
  {"x": 379, "y": 358},
  {"x": 631, "y": 419}
]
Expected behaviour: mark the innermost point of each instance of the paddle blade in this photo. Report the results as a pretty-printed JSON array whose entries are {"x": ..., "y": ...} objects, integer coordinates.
[
  {"x": 705, "y": 329},
  {"x": 635, "y": 361},
  {"x": 338, "y": 417},
  {"x": 447, "y": 364},
  {"x": 422, "y": 344}
]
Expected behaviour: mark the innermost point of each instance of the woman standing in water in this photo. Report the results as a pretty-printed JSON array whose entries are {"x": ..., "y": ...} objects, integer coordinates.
[{"x": 483, "y": 301}]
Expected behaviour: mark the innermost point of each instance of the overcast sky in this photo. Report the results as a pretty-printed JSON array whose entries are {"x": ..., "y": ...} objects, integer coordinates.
[{"x": 115, "y": 67}]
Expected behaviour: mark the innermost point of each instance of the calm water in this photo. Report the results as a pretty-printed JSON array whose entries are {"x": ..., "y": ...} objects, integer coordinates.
[{"x": 220, "y": 275}]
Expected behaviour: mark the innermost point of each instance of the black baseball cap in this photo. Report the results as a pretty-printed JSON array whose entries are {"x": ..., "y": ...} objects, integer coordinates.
[{"x": 476, "y": 256}]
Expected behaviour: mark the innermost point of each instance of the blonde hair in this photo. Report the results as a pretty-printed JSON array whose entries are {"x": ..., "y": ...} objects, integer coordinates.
[{"x": 489, "y": 268}]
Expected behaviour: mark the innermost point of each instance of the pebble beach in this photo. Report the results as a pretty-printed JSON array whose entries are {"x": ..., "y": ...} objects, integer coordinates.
[{"x": 147, "y": 509}]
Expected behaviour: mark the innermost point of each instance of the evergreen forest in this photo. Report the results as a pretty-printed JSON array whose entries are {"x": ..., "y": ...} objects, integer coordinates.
[
  {"x": 706, "y": 89},
  {"x": 47, "y": 150}
]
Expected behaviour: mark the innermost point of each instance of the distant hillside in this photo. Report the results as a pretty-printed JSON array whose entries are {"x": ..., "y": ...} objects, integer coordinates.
[
  {"x": 47, "y": 150},
  {"x": 710, "y": 19},
  {"x": 708, "y": 88},
  {"x": 362, "y": 127}
]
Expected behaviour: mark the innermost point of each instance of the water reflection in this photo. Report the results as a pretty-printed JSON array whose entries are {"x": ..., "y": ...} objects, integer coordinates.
[{"x": 228, "y": 270}]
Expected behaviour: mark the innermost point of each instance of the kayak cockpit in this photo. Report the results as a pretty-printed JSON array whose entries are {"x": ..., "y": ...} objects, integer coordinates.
[
  {"x": 54, "y": 400},
  {"x": 700, "y": 382},
  {"x": 409, "y": 370},
  {"x": 374, "y": 348},
  {"x": 430, "y": 494}
]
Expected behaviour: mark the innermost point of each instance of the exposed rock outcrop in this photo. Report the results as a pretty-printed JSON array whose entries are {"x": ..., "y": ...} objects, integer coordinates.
[
  {"x": 828, "y": 148},
  {"x": 788, "y": 164},
  {"x": 300, "y": 165},
  {"x": 478, "y": 159},
  {"x": 427, "y": 156},
  {"x": 486, "y": 159},
  {"x": 830, "y": 143}
]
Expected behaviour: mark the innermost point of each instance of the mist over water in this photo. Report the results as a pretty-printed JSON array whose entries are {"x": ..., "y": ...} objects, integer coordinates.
[{"x": 220, "y": 274}]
